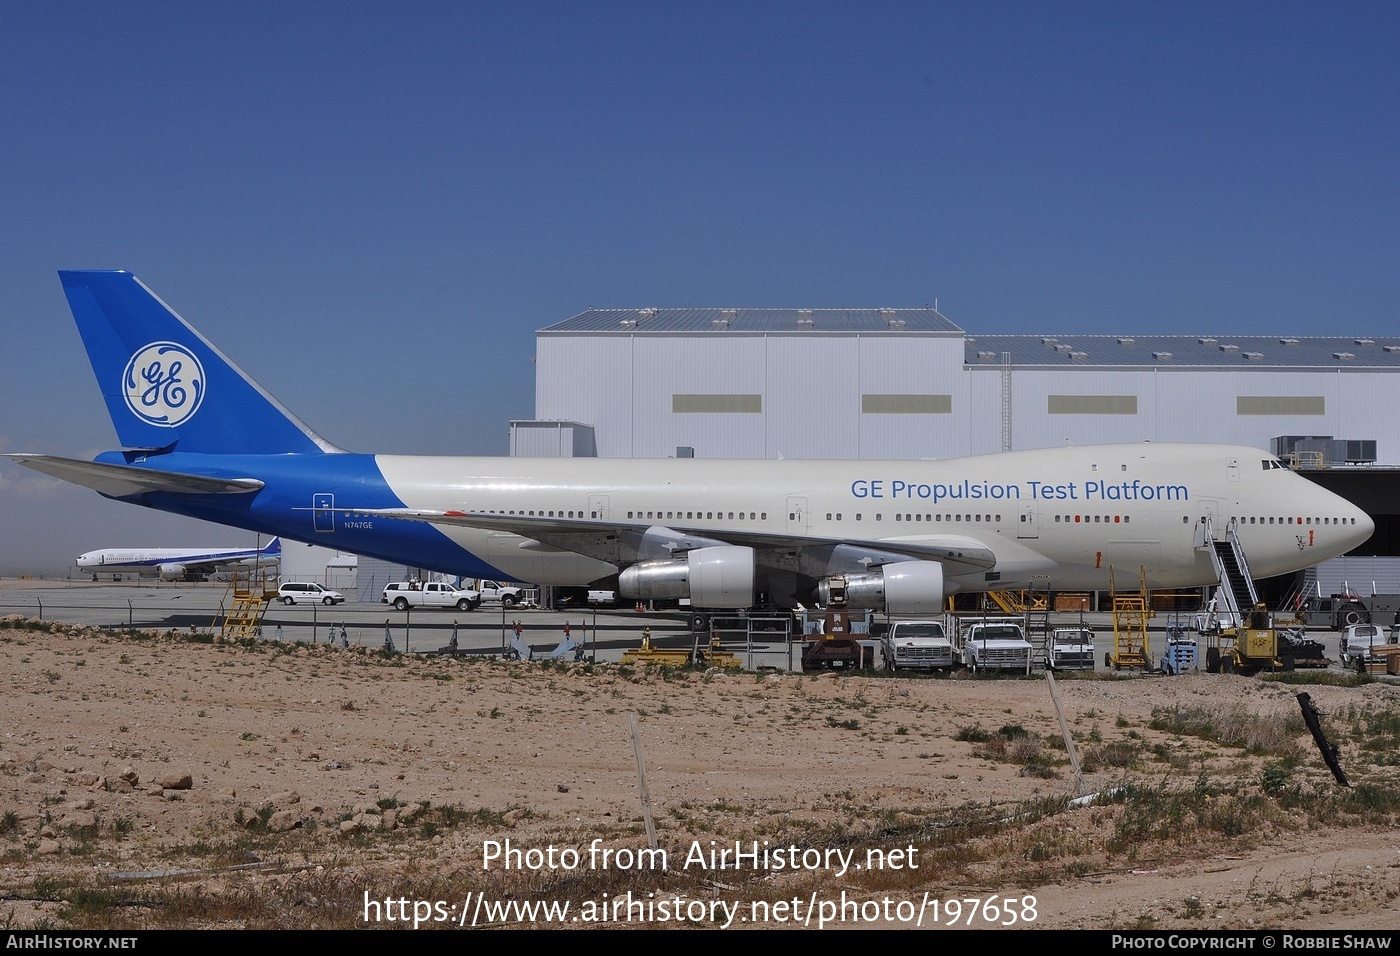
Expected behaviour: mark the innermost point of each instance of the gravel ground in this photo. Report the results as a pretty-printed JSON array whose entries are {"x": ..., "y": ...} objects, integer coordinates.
[{"x": 288, "y": 785}]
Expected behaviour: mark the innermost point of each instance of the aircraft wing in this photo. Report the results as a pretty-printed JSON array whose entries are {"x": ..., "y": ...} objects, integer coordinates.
[
  {"x": 599, "y": 539},
  {"x": 124, "y": 481},
  {"x": 221, "y": 562}
]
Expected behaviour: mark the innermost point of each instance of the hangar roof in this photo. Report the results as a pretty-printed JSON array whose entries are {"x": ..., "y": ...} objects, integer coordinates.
[
  {"x": 751, "y": 321},
  {"x": 1249, "y": 351},
  {"x": 1186, "y": 350}
]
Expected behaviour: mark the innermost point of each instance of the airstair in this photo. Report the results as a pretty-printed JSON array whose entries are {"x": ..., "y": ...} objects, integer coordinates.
[
  {"x": 1235, "y": 593},
  {"x": 1130, "y": 615},
  {"x": 1034, "y": 604},
  {"x": 1297, "y": 598},
  {"x": 1020, "y": 602},
  {"x": 250, "y": 592}
]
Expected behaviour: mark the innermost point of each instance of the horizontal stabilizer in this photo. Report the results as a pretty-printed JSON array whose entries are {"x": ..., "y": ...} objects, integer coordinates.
[{"x": 124, "y": 481}]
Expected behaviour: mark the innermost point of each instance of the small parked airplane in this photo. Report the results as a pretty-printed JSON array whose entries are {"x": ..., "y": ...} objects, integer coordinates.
[
  {"x": 177, "y": 564},
  {"x": 203, "y": 439}
]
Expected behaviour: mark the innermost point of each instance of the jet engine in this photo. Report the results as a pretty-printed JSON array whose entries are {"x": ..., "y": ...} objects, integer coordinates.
[
  {"x": 905, "y": 589},
  {"x": 721, "y": 576},
  {"x": 172, "y": 572}
]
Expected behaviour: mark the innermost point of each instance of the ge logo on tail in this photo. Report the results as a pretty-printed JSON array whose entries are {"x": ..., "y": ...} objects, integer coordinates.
[{"x": 163, "y": 384}]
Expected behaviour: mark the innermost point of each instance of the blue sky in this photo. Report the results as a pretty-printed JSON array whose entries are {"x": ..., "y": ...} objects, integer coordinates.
[{"x": 371, "y": 207}]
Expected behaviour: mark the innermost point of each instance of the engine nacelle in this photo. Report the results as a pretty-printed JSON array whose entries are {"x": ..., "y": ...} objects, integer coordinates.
[
  {"x": 711, "y": 577},
  {"x": 172, "y": 572},
  {"x": 905, "y": 589}
]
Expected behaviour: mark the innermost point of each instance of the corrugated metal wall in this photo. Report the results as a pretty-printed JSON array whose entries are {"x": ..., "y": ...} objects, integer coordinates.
[{"x": 645, "y": 394}]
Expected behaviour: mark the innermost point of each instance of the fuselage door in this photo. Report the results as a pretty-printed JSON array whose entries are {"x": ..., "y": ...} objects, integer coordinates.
[
  {"x": 1208, "y": 522},
  {"x": 323, "y": 511},
  {"x": 1232, "y": 469},
  {"x": 797, "y": 516},
  {"x": 598, "y": 507}
]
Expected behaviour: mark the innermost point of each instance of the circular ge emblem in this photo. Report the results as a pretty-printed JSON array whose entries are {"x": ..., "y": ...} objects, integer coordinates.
[{"x": 163, "y": 384}]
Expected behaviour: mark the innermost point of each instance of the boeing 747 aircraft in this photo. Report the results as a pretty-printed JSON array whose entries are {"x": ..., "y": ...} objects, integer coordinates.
[
  {"x": 201, "y": 438},
  {"x": 176, "y": 564}
]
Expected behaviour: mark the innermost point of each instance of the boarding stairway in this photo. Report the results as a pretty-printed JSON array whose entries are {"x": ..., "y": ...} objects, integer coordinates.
[
  {"x": 250, "y": 593},
  {"x": 1235, "y": 593},
  {"x": 1297, "y": 598},
  {"x": 1033, "y": 605},
  {"x": 1131, "y": 613},
  {"x": 1020, "y": 602}
]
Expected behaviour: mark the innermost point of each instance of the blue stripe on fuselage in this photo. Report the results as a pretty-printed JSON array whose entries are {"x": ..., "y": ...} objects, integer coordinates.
[{"x": 284, "y": 506}]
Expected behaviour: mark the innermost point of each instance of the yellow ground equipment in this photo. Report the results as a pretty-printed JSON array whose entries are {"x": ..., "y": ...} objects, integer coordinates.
[
  {"x": 1247, "y": 649},
  {"x": 250, "y": 592},
  {"x": 713, "y": 655},
  {"x": 1020, "y": 602},
  {"x": 1130, "y": 615}
]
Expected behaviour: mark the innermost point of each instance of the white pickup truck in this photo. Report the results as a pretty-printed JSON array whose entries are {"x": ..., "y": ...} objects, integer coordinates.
[
  {"x": 994, "y": 644},
  {"x": 1070, "y": 648},
  {"x": 406, "y": 594},
  {"x": 495, "y": 592},
  {"x": 917, "y": 645},
  {"x": 1358, "y": 642}
]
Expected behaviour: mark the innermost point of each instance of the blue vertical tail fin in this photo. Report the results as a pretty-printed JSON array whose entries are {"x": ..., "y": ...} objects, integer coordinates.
[{"x": 165, "y": 385}]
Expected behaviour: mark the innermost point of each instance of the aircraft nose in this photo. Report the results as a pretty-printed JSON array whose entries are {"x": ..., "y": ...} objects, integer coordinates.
[{"x": 1364, "y": 527}]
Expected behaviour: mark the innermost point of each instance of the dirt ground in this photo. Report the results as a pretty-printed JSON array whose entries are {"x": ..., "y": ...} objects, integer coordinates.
[{"x": 162, "y": 782}]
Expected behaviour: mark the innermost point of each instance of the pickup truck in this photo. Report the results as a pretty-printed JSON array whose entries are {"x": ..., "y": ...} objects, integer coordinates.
[
  {"x": 994, "y": 644},
  {"x": 917, "y": 645},
  {"x": 406, "y": 594},
  {"x": 1070, "y": 648},
  {"x": 495, "y": 592},
  {"x": 1357, "y": 642}
]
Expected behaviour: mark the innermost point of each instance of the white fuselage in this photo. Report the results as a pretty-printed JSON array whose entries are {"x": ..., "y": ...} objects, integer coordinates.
[
  {"x": 1062, "y": 517},
  {"x": 149, "y": 561}
]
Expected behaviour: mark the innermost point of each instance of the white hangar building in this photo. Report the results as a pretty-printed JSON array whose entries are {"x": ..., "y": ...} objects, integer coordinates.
[{"x": 908, "y": 383}]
